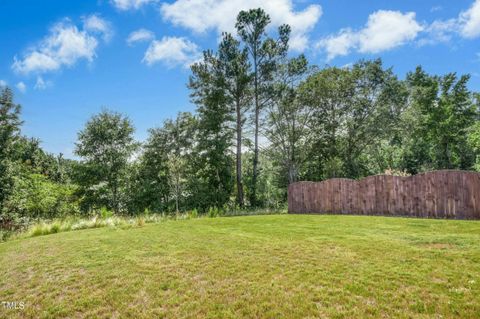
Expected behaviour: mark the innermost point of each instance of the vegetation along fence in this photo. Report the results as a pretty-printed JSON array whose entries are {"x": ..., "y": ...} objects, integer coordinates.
[{"x": 437, "y": 194}]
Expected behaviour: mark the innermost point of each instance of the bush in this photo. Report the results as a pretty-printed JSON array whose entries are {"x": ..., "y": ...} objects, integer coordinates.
[
  {"x": 55, "y": 228},
  {"x": 104, "y": 220},
  {"x": 214, "y": 212},
  {"x": 5, "y": 235},
  {"x": 38, "y": 230},
  {"x": 193, "y": 213},
  {"x": 35, "y": 196},
  {"x": 105, "y": 213},
  {"x": 140, "y": 222}
]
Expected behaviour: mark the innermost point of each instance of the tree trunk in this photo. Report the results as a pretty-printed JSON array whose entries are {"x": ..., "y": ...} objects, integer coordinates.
[
  {"x": 253, "y": 201},
  {"x": 115, "y": 199},
  {"x": 292, "y": 167},
  {"x": 292, "y": 173},
  {"x": 239, "y": 156},
  {"x": 177, "y": 194}
]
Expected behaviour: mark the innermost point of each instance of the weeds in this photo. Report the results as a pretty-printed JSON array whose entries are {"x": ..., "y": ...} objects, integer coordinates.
[{"x": 106, "y": 218}]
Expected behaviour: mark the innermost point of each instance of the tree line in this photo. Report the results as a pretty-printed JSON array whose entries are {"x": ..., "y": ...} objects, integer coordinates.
[{"x": 264, "y": 119}]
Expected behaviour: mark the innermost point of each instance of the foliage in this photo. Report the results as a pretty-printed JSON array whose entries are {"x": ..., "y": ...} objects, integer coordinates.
[
  {"x": 70, "y": 224},
  {"x": 234, "y": 68},
  {"x": 9, "y": 128},
  {"x": 288, "y": 121},
  {"x": 27, "y": 151},
  {"x": 176, "y": 168},
  {"x": 444, "y": 109},
  {"x": 105, "y": 145},
  {"x": 393, "y": 172},
  {"x": 150, "y": 178},
  {"x": 264, "y": 54},
  {"x": 214, "y": 180},
  {"x": 214, "y": 212},
  {"x": 106, "y": 218},
  {"x": 264, "y": 119},
  {"x": 36, "y": 197},
  {"x": 473, "y": 139},
  {"x": 352, "y": 109}
]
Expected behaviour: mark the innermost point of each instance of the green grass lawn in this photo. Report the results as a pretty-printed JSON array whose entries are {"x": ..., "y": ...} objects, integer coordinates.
[{"x": 280, "y": 266}]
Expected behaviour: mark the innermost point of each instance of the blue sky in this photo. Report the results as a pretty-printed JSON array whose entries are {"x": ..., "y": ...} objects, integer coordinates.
[{"x": 67, "y": 60}]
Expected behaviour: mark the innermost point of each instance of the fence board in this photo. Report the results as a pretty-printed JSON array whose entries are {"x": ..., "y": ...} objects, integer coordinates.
[{"x": 437, "y": 194}]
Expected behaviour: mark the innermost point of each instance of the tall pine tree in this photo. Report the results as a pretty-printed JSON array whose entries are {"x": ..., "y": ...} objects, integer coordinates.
[
  {"x": 9, "y": 128},
  {"x": 264, "y": 53},
  {"x": 235, "y": 68},
  {"x": 214, "y": 167}
]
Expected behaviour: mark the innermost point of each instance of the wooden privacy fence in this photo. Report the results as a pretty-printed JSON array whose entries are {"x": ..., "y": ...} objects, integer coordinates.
[{"x": 437, "y": 194}]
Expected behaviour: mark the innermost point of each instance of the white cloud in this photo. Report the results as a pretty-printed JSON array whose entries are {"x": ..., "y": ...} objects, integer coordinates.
[
  {"x": 3, "y": 83},
  {"x": 130, "y": 4},
  {"x": 439, "y": 31},
  {"x": 384, "y": 31},
  {"x": 36, "y": 62},
  {"x": 203, "y": 15},
  {"x": 21, "y": 87},
  {"x": 470, "y": 21},
  {"x": 41, "y": 84},
  {"x": 388, "y": 29},
  {"x": 172, "y": 51},
  {"x": 63, "y": 46},
  {"x": 339, "y": 44},
  {"x": 466, "y": 25},
  {"x": 95, "y": 24},
  {"x": 140, "y": 35}
]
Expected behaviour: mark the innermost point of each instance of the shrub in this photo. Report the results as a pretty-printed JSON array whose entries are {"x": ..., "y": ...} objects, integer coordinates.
[
  {"x": 396, "y": 172},
  {"x": 193, "y": 213},
  {"x": 154, "y": 218},
  {"x": 55, "y": 228},
  {"x": 214, "y": 212},
  {"x": 5, "y": 235},
  {"x": 75, "y": 223},
  {"x": 105, "y": 213},
  {"x": 35, "y": 196},
  {"x": 38, "y": 230},
  {"x": 140, "y": 222}
]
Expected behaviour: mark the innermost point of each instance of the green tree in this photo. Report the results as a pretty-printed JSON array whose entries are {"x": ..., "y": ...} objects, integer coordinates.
[
  {"x": 9, "y": 129},
  {"x": 288, "y": 120},
  {"x": 445, "y": 109},
  {"x": 235, "y": 67},
  {"x": 328, "y": 93},
  {"x": 28, "y": 152},
  {"x": 35, "y": 196},
  {"x": 177, "y": 179},
  {"x": 151, "y": 183},
  {"x": 149, "y": 176},
  {"x": 353, "y": 110},
  {"x": 264, "y": 53},
  {"x": 215, "y": 135},
  {"x": 379, "y": 100},
  {"x": 105, "y": 145}
]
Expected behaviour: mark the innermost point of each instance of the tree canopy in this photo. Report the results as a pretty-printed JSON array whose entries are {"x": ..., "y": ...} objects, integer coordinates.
[{"x": 264, "y": 118}]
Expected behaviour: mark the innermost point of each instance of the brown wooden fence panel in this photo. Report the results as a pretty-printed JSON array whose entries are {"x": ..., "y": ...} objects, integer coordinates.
[{"x": 437, "y": 194}]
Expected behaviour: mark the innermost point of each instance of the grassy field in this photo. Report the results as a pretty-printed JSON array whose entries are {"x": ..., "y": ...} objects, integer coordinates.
[{"x": 281, "y": 266}]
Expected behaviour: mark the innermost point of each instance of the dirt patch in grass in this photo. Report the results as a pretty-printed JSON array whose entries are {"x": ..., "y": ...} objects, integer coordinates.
[{"x": 440, "y": 246}]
